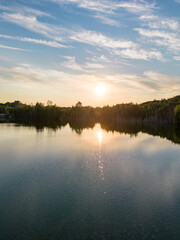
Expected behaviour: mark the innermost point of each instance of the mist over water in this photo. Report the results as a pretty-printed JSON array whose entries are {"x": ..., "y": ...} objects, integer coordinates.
[{"x": 88, "y": 183}]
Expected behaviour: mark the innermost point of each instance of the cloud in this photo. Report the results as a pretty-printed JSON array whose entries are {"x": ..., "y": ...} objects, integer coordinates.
[
  {"x": 12, "y": 48},
  {"x": 31, "y": 23},
  {"x": 136, "y": 6},
  {"x": 109, "y": 7},
  {"x": 94, "y": 65},
  {"x": 156, "y": 22},
  {"x": 161, "y": 31},
  {"x": 100, "y": 40},
  {"x": 86, "y": 67},
  {"x": 100, "y": 58},
  {"x": 161, "y": 38},
  {"x": 37, "y": 41},
  {"x": 121, "y": 87},
  {"x": 4, "y": 8},
  {"x": 42, "y": 42},
  {"x": 26, "y": 74},
  {"x": 24, "y": 10},
  {"x": 140, "y": 54},
  {"x": 106, "y": 9},
  {"x": 99, "y": 6},
  {"x": 30, "y": 11},
  {"x": 163, "y": 82},
  {"x": 177, "y": 58},
  {"x": 129, "y": 49},
  {"x": 148, "y": 17},
  {"x": 107, "y": 20},
  {"x": 71, "y": 64},
  {"x": 165, "y": 24},
  {"x": 155, "y": 33},
  {"x": 149, "y": 81}
]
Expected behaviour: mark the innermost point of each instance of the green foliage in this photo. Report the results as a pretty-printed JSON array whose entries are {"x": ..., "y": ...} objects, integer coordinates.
[
  {"x": 164, "y": 110},
  {"x": 177, "y": 114}
]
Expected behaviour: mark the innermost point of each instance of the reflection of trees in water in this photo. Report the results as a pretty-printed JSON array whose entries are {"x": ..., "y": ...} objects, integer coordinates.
[
  {"x": 79, "y": 126},
  {"x": 162, "y": 130},
  {"x": 167, "y": 131},
  {"x": 41, "y": 126}
]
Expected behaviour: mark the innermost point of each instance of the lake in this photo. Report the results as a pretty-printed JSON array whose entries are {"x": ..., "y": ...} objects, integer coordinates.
[{"x": 88, "y": 183}]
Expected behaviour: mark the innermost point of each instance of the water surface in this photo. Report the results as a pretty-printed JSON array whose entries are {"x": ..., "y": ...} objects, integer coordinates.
[{"x": 90, "y": 184}]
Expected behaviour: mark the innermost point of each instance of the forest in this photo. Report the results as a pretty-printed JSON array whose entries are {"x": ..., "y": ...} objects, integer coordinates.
[{"x": 158, "y": 111}]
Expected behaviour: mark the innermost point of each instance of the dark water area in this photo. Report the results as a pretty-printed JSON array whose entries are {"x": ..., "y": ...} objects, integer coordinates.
[{"x": 89, "y": 182}]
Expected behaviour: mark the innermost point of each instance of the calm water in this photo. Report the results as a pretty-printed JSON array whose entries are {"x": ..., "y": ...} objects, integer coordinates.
[{"x": 94, "y": 185}]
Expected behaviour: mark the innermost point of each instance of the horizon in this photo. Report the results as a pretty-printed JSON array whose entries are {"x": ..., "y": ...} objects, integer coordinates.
[
  {"x": 54, "y": 104},
  {"x": 97, "y": 52}
]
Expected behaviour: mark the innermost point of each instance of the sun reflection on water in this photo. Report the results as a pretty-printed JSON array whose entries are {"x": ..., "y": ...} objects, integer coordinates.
[
  {"x": 99, "y": 162},
  {"x": 99, "y": 134}
]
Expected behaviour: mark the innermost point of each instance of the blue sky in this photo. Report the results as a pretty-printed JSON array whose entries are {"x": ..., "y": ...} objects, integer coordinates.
[{"x": 63, "y": 50}]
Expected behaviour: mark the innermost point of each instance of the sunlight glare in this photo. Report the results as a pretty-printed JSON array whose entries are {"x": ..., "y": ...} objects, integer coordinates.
[
  {"x": 99, "y": 134},
  {"x": 100, "y": 90}
]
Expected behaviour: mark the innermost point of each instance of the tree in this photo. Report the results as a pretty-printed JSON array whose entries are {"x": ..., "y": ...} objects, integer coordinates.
[
  {"x": 78, "y": 104},
  {"x": 49, "y": 103},
  {"x": 177, "y": 114}
]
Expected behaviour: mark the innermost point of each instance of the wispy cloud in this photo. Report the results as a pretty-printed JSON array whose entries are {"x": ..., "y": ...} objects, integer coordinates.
[
  {"x": 36, "y": 41},
  {"x": 105, "y": 10},
  {"x": 135, "y": 6},
  {"x": 93, "y": 66},
  {"x": 161, "y": 31},
  {"x": 149, "y": 82},
  {"x": 106, "y": 20},
  {"x": 100, "y": 40},
  {"x": 164, "y": 24},
  {"x": 129, "y": 50},
  {"x": 13, "y": 48},
  {"x": 169, "y": 82},
  {"x": 138, "y": 6},
  {"x": 157, "y": 22},
  {"x": 100, "y": 6},
  {"x": 141, "y": 54},
  {"x": 161, "y": 38},
  {"x": 24, "y": 10},
  {"x": 71, "y": 64},
  {"x": 31, "y": 23},
  {"x": 101, "y": 58},
  {"x": 155, "y": 33},
  {"x": 30, "y": 11},
  {"x": 85, "y": 67}
]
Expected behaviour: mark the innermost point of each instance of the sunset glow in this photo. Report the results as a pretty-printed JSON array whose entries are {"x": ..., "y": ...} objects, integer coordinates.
[
  {"x": 100, "y": 90},
  {"x": 99, "y": 135},
  {"x": 99, "y": 52}
]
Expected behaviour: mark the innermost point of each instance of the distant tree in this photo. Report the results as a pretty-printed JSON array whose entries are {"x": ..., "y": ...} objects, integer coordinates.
[
  {"x": 16, "y": 104},
  {"x": 39, "y": 111},
  {"x": 49, "y": 103},
  {"x": 78, "y": 104}
]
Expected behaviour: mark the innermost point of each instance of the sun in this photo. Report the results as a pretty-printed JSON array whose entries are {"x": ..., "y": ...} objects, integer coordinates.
[{"x": 100, "y": 90}]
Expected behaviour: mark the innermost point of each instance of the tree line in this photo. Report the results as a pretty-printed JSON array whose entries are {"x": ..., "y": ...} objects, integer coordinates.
[{"x": 161, "y": 111}]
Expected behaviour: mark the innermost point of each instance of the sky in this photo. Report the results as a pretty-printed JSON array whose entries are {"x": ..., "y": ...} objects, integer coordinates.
[{"x": 99, "y": 52}]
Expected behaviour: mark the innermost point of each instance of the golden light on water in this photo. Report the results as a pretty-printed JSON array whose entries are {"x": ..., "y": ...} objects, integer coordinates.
[
  {"x": 99, "y": 160},
  {"x": 99, "y": 134}
]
